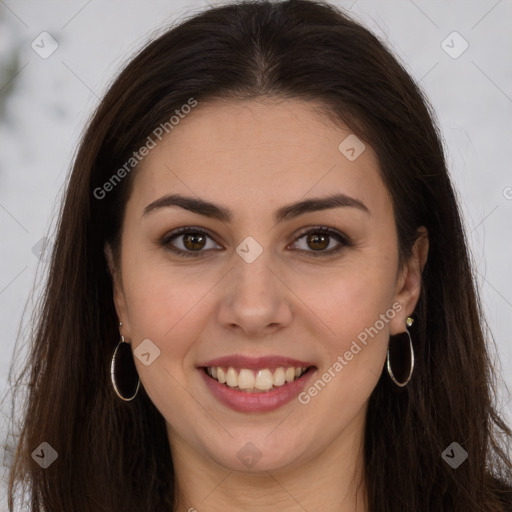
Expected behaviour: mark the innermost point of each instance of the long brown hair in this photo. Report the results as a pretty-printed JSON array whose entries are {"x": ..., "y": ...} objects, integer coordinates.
[{"x": 114, "y": 456}]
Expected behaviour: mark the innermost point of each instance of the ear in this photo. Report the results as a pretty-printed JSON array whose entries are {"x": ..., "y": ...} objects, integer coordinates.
[
  {"x": 118, "y": 292},
  {"x": 409, "y": 282}
]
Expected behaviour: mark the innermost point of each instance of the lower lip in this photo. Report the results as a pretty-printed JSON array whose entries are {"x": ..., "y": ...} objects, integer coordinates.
[{"x": 263, "y": 401}]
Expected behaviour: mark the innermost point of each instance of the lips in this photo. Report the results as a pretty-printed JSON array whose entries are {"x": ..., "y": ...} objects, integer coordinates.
[
  {"x": 255, "y": 384},
  {"x": 256, "y": 363}
]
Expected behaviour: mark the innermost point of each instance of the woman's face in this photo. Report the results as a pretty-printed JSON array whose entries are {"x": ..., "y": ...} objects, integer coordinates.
[{"x": 258, "y": 286}]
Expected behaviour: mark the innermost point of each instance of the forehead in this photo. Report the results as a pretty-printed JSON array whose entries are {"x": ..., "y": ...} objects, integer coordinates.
[{"x": 258, "y": 153}]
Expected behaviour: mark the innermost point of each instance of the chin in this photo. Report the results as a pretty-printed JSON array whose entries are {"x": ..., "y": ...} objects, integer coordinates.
[{"x": 256, "y": 456}]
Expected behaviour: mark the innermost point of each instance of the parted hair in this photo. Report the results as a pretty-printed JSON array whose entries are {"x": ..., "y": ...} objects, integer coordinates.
[{"x": 114, "y": 456}]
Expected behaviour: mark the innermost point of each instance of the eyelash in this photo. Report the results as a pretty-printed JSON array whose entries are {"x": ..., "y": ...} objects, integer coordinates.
[{"x": 340, "y": 237}]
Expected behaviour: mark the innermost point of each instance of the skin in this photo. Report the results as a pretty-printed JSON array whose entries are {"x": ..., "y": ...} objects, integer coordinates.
[{"x": 254, "y": 157}]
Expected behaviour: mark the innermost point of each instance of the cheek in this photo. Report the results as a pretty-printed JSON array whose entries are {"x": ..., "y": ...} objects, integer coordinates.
[
  {"x": 357, "y": 306},
  {"x": 164, "y": 306},
  {"x": 354, "y": 297},
  {"x": 170, "y": 311},
  {"x": 359, "y": 315}
]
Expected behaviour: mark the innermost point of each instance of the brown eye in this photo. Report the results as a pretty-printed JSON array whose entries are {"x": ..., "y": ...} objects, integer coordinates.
[
  {"x": 187, "y": 241},
  {"x": 194, "y": 241},
  {"x": 320, "y": 241}
]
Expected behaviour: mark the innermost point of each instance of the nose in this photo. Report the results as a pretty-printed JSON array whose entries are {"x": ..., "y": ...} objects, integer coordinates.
[{"x": 255, "y": 299}]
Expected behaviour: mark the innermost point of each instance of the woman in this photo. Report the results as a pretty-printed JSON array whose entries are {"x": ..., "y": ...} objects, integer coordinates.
[{"x": 260, "y": 296}]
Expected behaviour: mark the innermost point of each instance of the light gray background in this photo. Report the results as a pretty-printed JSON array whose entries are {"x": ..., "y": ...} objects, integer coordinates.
[{"x": 49, "y": 101}]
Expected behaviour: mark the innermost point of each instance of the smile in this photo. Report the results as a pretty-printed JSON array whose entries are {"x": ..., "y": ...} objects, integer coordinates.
[
  {"x": 255, "y": 381},
  {"x": 257, "y": 384}
]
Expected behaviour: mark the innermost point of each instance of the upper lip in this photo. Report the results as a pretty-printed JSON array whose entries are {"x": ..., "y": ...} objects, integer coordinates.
[{"x": 255, "y": 363}]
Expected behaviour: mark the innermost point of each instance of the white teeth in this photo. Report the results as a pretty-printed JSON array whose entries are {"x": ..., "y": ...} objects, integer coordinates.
[
  {"x": 290, "y": 374},
  {"x": 279, "y": 377},
  {"x": 251, "y": 380},
  {"x": 264, "y": 380},
  {"x": 231, "y": 378},
  {"x": 246, "y": 379}
]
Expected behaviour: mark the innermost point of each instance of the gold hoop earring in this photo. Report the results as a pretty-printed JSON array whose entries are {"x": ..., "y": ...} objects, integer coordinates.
[
  {"x": 399, "y": 345},
  {"x": 123, "y": 372}
]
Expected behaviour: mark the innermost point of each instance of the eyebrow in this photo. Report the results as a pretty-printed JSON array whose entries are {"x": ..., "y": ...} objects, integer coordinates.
[{"x": 215, "y": 211}]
